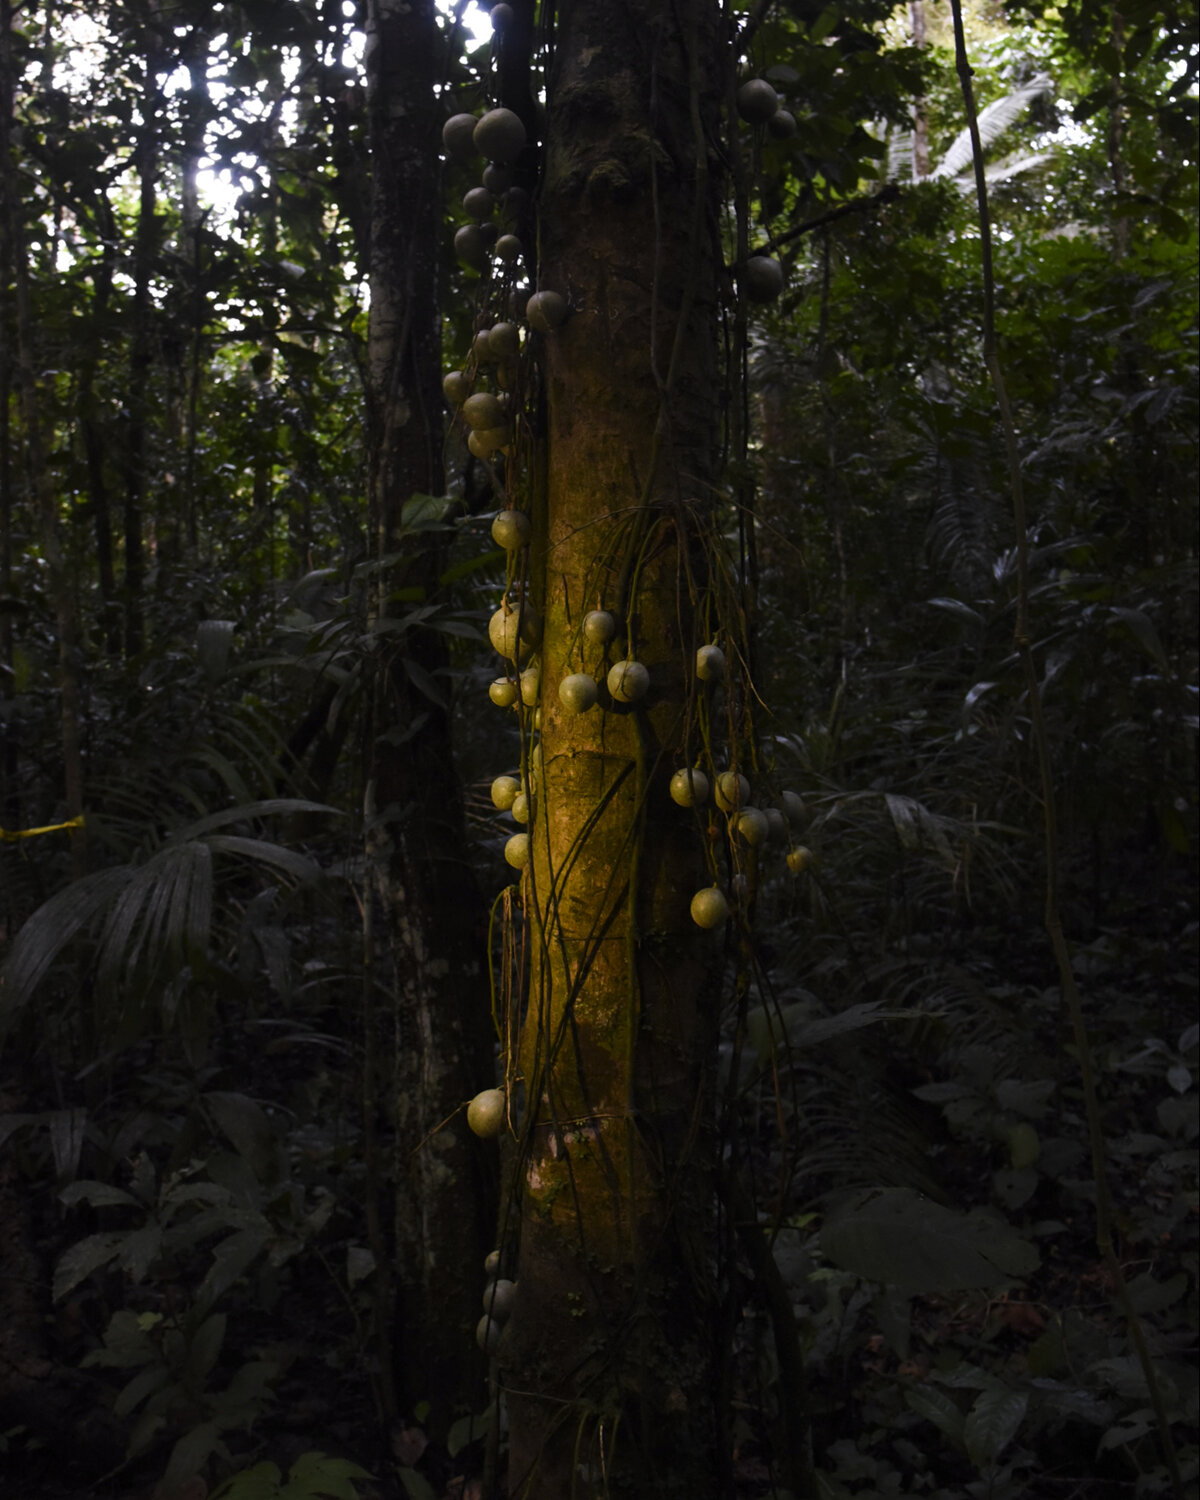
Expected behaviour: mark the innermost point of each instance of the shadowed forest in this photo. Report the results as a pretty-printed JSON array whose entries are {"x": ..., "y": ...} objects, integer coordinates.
[{"x": 598, "y": 750}]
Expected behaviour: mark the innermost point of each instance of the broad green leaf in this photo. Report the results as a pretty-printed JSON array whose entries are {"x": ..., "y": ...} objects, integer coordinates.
[
  {"x": 992, "y": 1423},
  {"x": 468, "y": 1429},
  {"x": 259, "y": 1483},
  {"x": 268, "y": 808},
  {"x": 927, "y": 1401},
  {"x": 231, "y": 1257},
  {"x": 314, "y": 1476},
  {"x": 246, "y": 1125},
  {"x": 205, "y": 1348},
  {"x": 139, "y": 1250},
  {"x": 416, "y": 1486},
  {"x": 153, "y": 1378},
  {"x": 98, "y": 1194},
  {"x": 904, "y": 1240},
  {"x": 83, "y": 1258},
  {"x": 190, "y": 1454},
  {"x": 299, "y": 866}
]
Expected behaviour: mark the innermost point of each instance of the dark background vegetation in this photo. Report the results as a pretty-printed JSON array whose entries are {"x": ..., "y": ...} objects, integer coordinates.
[{"x": 187, "y": 1280}]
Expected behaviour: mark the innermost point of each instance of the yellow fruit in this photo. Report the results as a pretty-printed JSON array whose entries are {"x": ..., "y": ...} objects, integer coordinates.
[
  {"x": 516, "y": 851},
  {"x": 485, "y": 1113},
  {"x": 599, "y": 627},
  {"x": 578, "y": 692},
  {"x": 709, "y": 907},
  {"x": 628, "y": 681},
  {"x": 689, "y": 788},
  {"x": 520, "y": 808},
  {"x": 752, "y": 825},
  {"x": 732, "y": 791},
  {"x": 510, "y": 529},
  {"x": 531, "y": 685},
  {"x": 801, "y": 859},
  {"x": 710, "y": 663},
  {"x": 503, "y": 693},
  {"x": 504, "y": 790}
]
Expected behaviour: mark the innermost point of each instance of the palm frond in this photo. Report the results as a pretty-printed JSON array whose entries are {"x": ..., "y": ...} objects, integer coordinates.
[{"x": 993, "y": 122}]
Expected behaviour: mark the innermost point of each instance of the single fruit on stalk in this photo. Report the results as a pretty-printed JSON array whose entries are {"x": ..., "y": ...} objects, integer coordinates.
[
  {"x": 757, "y": 101},
  {"x": 503, "y": 693},
  {"x": 504, "y": 790},
  {"x": 794, "y": 809},
  {"x": 689, "y": 788},
  {"x": 709, "y": 907},
  {"x": 531, "y": 686},
  {"x": 481, "y": 347},
  {"x": 732, "y": 791},
  {"x": 776, "y": 823},
  {"x": 488, "y": 1333},
  {"x": 497, "y": 179},
  {"x": 478, "y": 202},
  {"x": 710, "y": 663},
  {"x": 500, "y": 136},
  {"x": 470, "y": 247},
  {"x": 599, "y": 627},
  {"x": 504, "y": 340},
  {"x": 752, "y": 825},
  {"x": 801, "y": 859},
  {"x": 499, "y": 1298},
  {"x": 545, "y": 311},
  {"x": 483, "y": 410},
  {"x": 762, "y": 278},
  {"x": 489, "y": 440},
  {"x": 578, "y": 692},
  {"x": 628, "y": 681},
  {"x": 516, "y": 851},
  {"x": 520, "y": 808},
  {"x": 485, "y": 1113},
  {"x": 503, "y": 626},
  {"x": 491, "y": 1264},
  {"x": 511, "y": 529},
  {"x": 782, "y": 124},
  {"x": 508, "y": 248},
  {"x": 456, "y": 387},
  {"x": 501, "y": 16},
  {"x": 458, "y": 137}
]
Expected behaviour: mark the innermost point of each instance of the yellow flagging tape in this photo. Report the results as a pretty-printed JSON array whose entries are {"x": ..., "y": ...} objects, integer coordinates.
[{"x": 10, "y": 836}]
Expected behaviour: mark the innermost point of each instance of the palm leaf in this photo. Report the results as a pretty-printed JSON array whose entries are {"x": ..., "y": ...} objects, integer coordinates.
[{"x": 993, "y": 122}]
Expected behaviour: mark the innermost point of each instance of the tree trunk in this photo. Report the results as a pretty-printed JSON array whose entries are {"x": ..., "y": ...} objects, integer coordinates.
[
  {"x": 608, "y": 1357},
  {"x": 432, "y": 996}
]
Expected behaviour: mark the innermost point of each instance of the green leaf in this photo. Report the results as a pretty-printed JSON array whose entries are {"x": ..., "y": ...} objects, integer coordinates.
[
  {"x": 98, "y": 1194},
  {"x": 424, "y": 513},
  {"x": 992, "y": 1423},
  {"x": 314, "y": 1477},
  {"x": 153, "y": 1378},
  {"x": 84, "y": 1258},
  {"x": 259, "y": 1483},
  {"x": 416, "y": 1486},
  {"x": 904, "y": 1240},
  {"x": 230, "y": 1258},
  {"x": 468, "y": 1429},
  {"x": 190, "y": 1454},
  {"x": 934, "y": 1405},
  {"x": 1150, "y": 1296},
  {"x": 244, "y": 1122},
  {"x": 1141, "y": 627},
  {"x": 299, "y": 866},
  {"x": 205, "y": 1349}
]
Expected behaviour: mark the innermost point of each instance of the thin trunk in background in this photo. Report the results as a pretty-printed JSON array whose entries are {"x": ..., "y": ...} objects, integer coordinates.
[{"x": 920, "y": 130}]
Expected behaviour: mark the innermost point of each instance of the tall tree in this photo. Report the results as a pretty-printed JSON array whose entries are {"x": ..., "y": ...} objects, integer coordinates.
[{"x": 611, "y": 1340}]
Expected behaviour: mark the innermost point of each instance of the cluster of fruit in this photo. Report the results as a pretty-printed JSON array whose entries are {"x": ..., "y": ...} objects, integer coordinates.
[{"x": 499, "y": 1299}]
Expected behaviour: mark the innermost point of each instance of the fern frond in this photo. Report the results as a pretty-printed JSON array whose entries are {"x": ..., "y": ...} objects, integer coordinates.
[{"x": 993, "y": 122}]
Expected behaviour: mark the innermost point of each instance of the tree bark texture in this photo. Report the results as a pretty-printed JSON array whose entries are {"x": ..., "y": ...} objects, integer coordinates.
[
  {"x": 432, "y": 995},
  {"x": 607, "y": 1358}
]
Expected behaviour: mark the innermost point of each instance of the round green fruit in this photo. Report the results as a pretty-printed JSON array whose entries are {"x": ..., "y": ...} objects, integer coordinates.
[
  {"x": 599, "y": 627},
  {"x": 516, "y": 851},
  {"x": 499, "y": 1298},
  {"x": 782, "y": 125},
  {"x": 710, "y": 663},
  {"x": 503, "y": 693},
  {"x": 500, "y": 136},
  {"x": 458, "y": 137},
  {"x": 752, "y": 825},
  {"x": 801, "y": 859},
  {"x": 689, "y": 788},
  {"x": 508, "y": 249},
  {"x": 578, "y": 692},
  {"x": 491, "y": 1265},
  {"x": 762, "y": 278},
  {"x": 470, "y": 247},
  {"x": 628, "y": 681},
  {"x": 488, "y": 1333},
  {"x": 545, "y": 311},
  {"x": 520, "y": 808},
  {"x": 485, "y": 1113},
  {"x": 483, "y": 410},
  {"x": 531, "y": 686},
  {"x": 757, "y": 101},
  {"x": 793, "y": 808},
  {"x": 732, "y": 791},
  {"x": 478, "y": 202},
  {"x": 488, "y": 440},
  {"x": 709, "y": 907},
  {"x": 504, "y": 341},
  {"x": 456, "y": 387},
  {"x": 504, "y": 791},
  {"x": 511, "y": 530}
]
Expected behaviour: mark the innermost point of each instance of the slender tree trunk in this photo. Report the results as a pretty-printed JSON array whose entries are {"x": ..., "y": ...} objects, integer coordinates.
[
  {"x": 607, "y": 1361},
  {"x": 92, "y": 432},
  {"x": 41, "y": 478},
  {"x": 920, "y": 130},
  {"x": 432, "y": 990}
]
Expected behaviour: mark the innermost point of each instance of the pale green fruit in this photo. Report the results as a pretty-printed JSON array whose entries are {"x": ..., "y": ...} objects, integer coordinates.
[
  {"x": 497, "y": 179},
  {"x": 500, "y": 136},
  {"x": 782, "y": 125},
  {"x": 470, "y": 246},
  {"x": 801, "y": 859},
  {"x": 732, "y": 791},
  {"x": 504, "y": 790},
  {"x": 762, "y": 278},
  {"x": 488, "y": 1333},
  {"x": 511, "y": 529},
  {"x": 689, "y": 788},
  {"x": 499, "y": 1298},
  {"x": 508, "y": 248},
  {"x": 504, "y": 340},
  {"x": 503, "y": 693},
  {"x": 793, "y": 808},
  {"x": 483, "y": 410},
  {"x": 578, "y": 692},
  {"x": 545, "y": 311},
  {"x": 757, "y": 101},
  {"x": 752, "y": 825},
  {"x": 628, "y": 681},
  {"x": 520, "y": 808},
  {"x": 710, "y": 663},
  {"x": 516, "y": 851},
  {"x": 1024, "y": 1147},
  {"x": 491, "y": 1265},
  {"x": 478, "y": 202},
  {"x": 483, "y": 443},
  {"x": 456, "y": 387},
  {"x": 709, "y": 907},
  {"x": 503, "y": 626},
  {"x": 481, "y": 347},
  {"x": 458, "y": 137},
  {"x": 531, "y": 686},
  {"x": 485, "y": 1113},
  {"x": 599, "y": 627},
  {"x": 776, "y": 824}
]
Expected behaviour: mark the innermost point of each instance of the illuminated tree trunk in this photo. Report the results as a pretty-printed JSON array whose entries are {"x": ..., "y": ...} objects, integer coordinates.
[
  {"x": 608, "y": 1355},
  {"x": 428, "y": 1030}
]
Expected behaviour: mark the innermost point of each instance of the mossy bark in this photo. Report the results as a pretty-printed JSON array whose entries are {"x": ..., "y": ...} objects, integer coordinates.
[{"x": 607, "y": 1354}]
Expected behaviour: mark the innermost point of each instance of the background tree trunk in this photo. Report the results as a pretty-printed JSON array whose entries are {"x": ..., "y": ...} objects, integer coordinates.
[
  {"x": 432, "y": 983},
  {"x": 609, "y": 1352}
]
